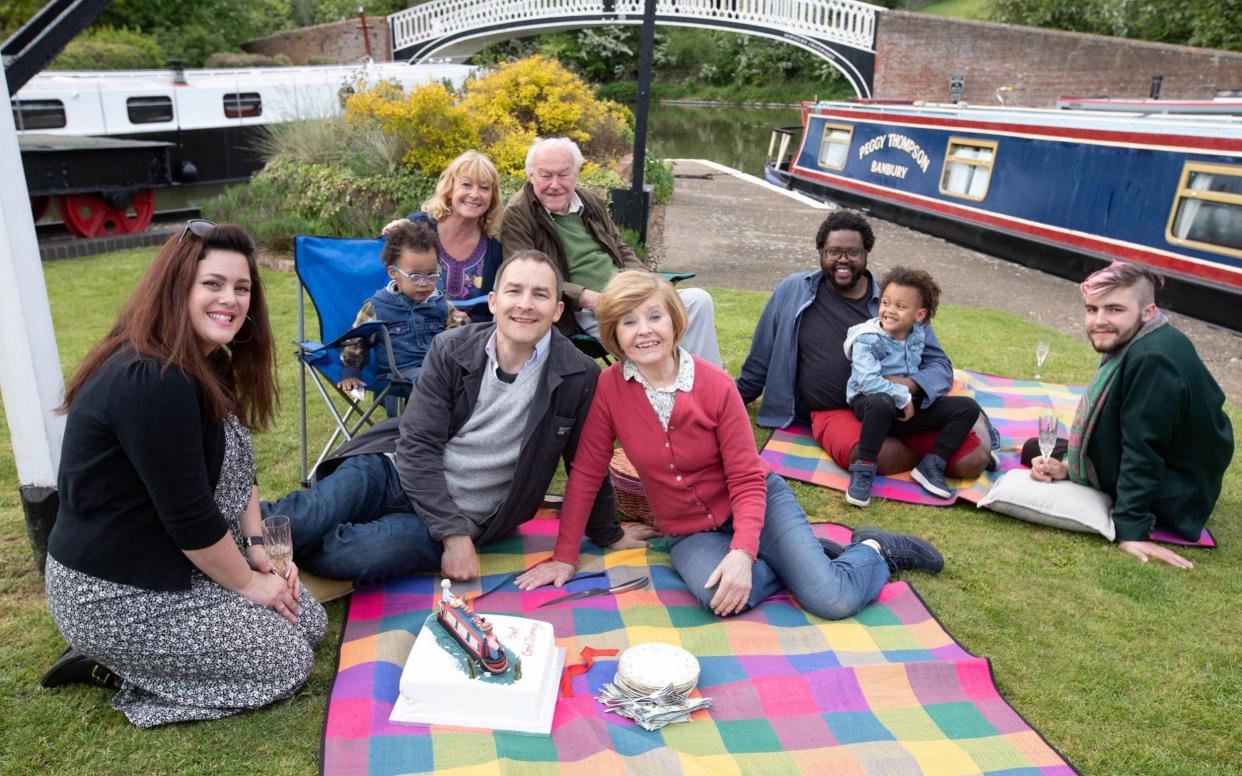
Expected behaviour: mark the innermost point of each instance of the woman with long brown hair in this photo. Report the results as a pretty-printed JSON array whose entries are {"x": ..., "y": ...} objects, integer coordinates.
[{"x": 156, "y": 574}]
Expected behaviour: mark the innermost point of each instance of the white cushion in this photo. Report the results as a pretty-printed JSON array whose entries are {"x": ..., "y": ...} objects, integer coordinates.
[{"x": 1061, "y": 504}]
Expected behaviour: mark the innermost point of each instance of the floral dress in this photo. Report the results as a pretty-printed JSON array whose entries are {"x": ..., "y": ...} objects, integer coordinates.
[{"x": 201, "y": 653}]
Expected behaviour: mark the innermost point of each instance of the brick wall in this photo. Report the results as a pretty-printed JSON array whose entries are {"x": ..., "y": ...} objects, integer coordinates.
[
  {"x": 336, "y": 42},
  {"x": 916, "y": 54}
]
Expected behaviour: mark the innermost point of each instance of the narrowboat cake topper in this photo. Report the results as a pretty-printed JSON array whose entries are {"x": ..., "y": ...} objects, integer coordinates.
[{"x": 474, "y": 636}]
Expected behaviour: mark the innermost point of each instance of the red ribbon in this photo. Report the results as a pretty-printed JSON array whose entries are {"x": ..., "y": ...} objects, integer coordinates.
[{"x": 588, "y": 655}]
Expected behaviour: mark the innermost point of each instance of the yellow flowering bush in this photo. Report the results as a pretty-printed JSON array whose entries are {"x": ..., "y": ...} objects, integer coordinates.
[{"x": 501, "y": 113}]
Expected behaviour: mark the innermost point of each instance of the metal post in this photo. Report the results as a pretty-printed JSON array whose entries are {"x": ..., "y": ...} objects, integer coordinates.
[
  {"x": 630, "y": 207},
  {"x": 31, "y": 382}
]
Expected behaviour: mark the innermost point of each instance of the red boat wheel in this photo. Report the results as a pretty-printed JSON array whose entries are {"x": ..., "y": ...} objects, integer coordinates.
[{"x": 89, "y": 215}]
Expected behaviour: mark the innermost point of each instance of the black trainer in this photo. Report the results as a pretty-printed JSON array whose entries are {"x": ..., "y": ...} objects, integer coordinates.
[
  {"x": 72, "y": 667},
  {"x": 904, "y": 552},
  {"x": 831, "y": 548}
]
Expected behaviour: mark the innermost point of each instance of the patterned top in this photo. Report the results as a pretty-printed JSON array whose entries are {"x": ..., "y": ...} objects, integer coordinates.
[
  {"x": 662, "y": 399},
  {"x": 464, "y": 279}
]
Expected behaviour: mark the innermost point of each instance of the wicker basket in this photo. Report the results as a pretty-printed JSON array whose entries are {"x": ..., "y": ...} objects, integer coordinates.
[{"x": 632, "y": 501}]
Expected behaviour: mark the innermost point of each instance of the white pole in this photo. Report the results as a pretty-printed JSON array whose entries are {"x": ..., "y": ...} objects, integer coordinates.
[{"x": 31, "y": 382}]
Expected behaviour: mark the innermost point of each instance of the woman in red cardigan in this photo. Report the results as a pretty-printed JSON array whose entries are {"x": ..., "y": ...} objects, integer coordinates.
[{"x": 736, "y": 532}]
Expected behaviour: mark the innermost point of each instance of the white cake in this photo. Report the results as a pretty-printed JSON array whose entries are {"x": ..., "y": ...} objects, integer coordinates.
[{"x": 436, "y": 690}]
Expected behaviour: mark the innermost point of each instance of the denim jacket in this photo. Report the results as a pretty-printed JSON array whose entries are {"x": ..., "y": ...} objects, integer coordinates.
[
  {"x": 411, "y": 325},
  {"x": 876, "y": 355},
  {"x": 771, "y": 367}
]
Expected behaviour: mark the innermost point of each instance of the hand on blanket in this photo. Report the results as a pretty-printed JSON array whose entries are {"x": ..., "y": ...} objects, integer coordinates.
[
  {"x": 635, "y": 536},
  {"x": 1145, "y": 551},
  {"x": 459, "y": 561},
  {"x": 1049, "y": 469},
  {"x": 553, "y": 571},
  {"x": 731, "y": 578}
]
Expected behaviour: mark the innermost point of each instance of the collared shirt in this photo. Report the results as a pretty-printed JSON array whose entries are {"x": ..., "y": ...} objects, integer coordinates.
[
  {"x": 575, "y": 205},
  {"x": 541, "y": 348},
  {"x": 662, "y": 398}
]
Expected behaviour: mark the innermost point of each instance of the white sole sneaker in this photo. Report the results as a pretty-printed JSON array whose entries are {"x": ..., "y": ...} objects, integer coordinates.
[
  {"x": 927, "y": 486},
  {"x": 857, "y": 502}
]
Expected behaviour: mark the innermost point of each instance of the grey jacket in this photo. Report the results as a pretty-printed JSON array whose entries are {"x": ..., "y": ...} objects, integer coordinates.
[{"x": 443, "y": 399}]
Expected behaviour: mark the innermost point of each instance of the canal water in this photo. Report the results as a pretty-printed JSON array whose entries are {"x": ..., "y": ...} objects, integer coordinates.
[{"x": 732, "y": 135}]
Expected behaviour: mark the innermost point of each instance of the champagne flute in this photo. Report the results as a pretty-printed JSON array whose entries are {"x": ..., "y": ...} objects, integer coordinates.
[
  {"x": 278, "y": 541},
  {"x": 1047, "y": 435},
  {"x": 1041, "y": 352}
]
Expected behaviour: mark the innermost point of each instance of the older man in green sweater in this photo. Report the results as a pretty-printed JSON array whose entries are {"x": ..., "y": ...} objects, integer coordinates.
[
  {"x": 1150, "y": 431},
  {"x": 553, "y": 215}
]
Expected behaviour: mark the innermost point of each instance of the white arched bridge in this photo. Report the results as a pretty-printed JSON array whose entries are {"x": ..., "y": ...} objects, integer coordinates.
[{"x": 840, "y": 31}]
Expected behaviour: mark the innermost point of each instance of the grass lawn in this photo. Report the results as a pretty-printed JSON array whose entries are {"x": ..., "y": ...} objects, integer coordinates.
[
  {"x": 1126, "y": 669},
  {"x": 961, "y": 9}
]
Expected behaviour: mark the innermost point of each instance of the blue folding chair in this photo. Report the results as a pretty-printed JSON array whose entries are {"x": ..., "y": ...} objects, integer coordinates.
[{"x": 339, "y": 275}]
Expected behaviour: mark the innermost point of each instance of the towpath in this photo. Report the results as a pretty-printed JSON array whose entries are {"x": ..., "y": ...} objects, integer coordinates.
[{"x": 736, "y": 232}]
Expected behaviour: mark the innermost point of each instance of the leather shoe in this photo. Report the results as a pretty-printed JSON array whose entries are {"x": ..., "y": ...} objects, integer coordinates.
[{"x": 72, "y": 667}]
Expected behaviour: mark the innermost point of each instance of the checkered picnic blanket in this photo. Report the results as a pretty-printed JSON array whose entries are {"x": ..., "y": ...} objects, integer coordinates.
[
  {"x": 1014, "y": 407},
  {"x": 888, "y": 691}
]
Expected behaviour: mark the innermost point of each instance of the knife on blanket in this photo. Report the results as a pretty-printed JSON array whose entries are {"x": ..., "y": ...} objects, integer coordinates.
[{"x": 633, "y": 584}]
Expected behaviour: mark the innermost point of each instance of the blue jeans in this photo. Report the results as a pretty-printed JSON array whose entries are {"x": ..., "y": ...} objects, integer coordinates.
[
  {"x": 789, "y": 556},
  {"x": 357, "y": 524}
]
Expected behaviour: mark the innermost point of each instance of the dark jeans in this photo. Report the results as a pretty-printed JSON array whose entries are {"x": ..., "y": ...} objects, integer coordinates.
[
  {"x": 357, "y": 524},
  {"x": 954, "y": 416}
]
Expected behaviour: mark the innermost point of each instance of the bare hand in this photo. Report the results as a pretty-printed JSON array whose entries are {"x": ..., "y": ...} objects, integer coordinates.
[
  {"x": 731, "y": 578},
  {"x": 553, "y": 571},
  {"x": 1047, "y": 470},
  {"x": 635, "y": 536},
  {"x": 588, "y": 299},
  {"x": 458, "y": 317},
  {"x": 293, "y": 583},
  {"x": 272, "y": 592},
  {"x": 388, "y": 227},
  {"x": 351, "y": 384},
  {"x": 1145, "y": 551},
  {"x": 912, "y": 386},
  {"x": 460, "y": 561},
  {"x": 907, "y": 411}
]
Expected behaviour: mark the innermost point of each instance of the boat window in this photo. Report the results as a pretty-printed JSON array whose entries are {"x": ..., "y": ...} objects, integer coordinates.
[
  {"x": 242, "y": 105},
  {"x": 968, "y": 168},
  {"x": 835, "y": 148},
  {"x": 1207, "y": 211},
  {"x": 149, "y": 110},
  {"x": 38, "y": 114}
]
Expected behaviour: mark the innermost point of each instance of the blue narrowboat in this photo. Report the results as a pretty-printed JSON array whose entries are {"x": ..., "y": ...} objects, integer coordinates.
[{"x": 1064, "y": 191}]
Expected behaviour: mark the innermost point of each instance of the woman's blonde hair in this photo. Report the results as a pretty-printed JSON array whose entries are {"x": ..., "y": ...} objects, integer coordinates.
[
  {"x": 626, "y": 291},
  {"x": 475, "y": 167}
]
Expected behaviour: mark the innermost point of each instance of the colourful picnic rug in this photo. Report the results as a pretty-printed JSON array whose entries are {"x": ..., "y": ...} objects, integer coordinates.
[
  {"x": 888, "y": 691},
  {"x": 1014, "y": 406}
]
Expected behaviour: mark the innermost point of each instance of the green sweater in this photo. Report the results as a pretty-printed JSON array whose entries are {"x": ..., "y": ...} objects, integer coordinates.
[
  {"x": 590, "y": 266},
  {"x": 1163, "y": 441}
]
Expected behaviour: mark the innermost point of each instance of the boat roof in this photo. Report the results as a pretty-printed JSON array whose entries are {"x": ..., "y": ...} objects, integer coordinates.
[{"x": 1000, "y": 117}]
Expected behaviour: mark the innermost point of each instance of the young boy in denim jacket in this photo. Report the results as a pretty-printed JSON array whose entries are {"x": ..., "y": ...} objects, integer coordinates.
[
  {"x": 411, "y": 305},
  {"x": 892, "y": 345}
]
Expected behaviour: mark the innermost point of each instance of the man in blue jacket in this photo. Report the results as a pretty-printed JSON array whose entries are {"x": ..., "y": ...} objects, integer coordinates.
[{"x": 797, "y": 362}]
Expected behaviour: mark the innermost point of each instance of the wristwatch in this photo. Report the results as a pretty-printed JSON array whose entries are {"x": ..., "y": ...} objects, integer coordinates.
[{"x": 250, "y": 541}]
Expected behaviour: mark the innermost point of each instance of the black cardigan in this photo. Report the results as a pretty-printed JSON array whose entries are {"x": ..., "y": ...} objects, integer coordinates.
[{"x": 138, "y": 470}]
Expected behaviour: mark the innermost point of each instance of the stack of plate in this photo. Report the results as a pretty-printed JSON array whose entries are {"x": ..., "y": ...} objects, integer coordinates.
[{"x": 648, "y": 668}]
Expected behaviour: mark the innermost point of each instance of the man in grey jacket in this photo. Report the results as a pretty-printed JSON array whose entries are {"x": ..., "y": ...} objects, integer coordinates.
[{"x": 494, "y": 409}]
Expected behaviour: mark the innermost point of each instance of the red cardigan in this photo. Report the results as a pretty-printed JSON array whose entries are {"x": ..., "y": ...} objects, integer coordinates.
[{"x": 697, "y": 474}]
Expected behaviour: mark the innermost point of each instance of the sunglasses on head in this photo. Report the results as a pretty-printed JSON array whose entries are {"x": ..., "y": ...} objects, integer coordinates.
[{"x": 198, "y": 227}]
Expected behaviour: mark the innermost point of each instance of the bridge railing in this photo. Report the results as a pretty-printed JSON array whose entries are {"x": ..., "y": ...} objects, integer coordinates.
[{"x": 842, "y": 21}]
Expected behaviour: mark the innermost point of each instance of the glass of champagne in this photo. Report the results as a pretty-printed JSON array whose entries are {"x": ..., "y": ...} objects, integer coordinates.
[
  {"x": 1047, "y": 435},
  {"x": 278, "y": 541},
  {"x": 1041, "y": 352}
]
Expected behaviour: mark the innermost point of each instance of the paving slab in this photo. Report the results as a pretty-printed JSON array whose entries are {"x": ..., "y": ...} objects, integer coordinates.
[{"x": 736, "y": 231}]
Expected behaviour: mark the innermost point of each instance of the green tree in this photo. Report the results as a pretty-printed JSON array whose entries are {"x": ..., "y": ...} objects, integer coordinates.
[{"x": 1206, "y": 23}]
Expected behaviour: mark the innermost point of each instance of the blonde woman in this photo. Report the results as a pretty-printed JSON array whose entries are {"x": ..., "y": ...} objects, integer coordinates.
[{"x": 465, "y": 212}]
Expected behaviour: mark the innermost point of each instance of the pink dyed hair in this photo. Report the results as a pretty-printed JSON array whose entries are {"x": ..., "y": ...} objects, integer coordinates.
[{"x": 1121, "y": 274}]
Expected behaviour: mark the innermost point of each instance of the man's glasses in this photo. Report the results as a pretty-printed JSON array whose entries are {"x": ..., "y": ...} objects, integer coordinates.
[
  {"x": 852, "y": 253},
  {"x": 415, "y": 277},
  {"x": 198, "y": 227}
]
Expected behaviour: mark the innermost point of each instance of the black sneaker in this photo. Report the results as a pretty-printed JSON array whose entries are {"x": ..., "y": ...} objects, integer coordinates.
[
  {"x": 72, "y": 667},
  {"x": 995, "y": 441},
  {"x": 930, "y": 474},
  {"x": 831, "y": 548},
  {"x": 862, "y": 477},
  {"x": 904, "y": 552}
]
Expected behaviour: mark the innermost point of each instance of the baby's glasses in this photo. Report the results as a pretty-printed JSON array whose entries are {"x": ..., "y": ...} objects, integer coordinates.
[{"x": 415, "y": 277}]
